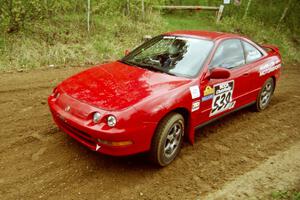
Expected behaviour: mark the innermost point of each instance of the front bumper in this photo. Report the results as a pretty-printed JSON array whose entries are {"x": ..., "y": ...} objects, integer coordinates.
[{"x": 139, "y": 134}]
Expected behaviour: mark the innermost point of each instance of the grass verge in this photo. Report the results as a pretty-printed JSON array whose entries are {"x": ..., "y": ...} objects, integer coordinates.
[
  {"x": 285, "y": 195},
  {"x": 64, "y": 41}
]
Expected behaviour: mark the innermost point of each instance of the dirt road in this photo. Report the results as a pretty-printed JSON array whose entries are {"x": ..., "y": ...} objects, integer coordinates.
[{"x": 37, "y": 161}]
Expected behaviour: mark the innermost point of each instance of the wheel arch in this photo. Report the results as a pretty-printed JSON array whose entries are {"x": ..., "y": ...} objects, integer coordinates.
[
  {"x": 187, "y": 121},
  {"x": 186, "y": 116},
  {"x": 275, "y": 82}
]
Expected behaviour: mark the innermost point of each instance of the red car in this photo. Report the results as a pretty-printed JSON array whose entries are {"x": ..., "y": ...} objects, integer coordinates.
[{"x": 163, "y": 90}]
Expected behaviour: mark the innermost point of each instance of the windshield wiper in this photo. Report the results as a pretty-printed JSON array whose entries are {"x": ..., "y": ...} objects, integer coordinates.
[
  {"x": 127, "y": 62},
  {"x": 152, "y": 68},
  {"x": 149, "y": 67}
]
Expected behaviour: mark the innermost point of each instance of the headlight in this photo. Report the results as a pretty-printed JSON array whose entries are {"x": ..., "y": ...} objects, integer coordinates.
[
  {"x": 111, "y": 120},
  {"x": 56, "y": 95},
  {"x": 96, "y": 117},
  {"x": 54, "y": 90}
]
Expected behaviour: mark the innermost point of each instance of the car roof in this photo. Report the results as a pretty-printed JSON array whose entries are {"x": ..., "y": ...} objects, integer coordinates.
[{"x": 211, "y": 35}]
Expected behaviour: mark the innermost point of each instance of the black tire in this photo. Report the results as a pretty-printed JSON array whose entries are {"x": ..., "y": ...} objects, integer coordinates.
[
  {"x": 164, "y": 149},
  {"x": 265, "y": 95}
]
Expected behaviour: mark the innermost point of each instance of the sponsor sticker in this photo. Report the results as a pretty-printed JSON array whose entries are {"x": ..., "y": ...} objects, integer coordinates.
[
  {"x": 208, "y": 93},
  {"x": 268, "y": 68},
  {"x": 206, "y": 98},
  {"x": 97, "y": 147},
  {"x": 222, "y": 98},
  {"x": 195, "y": 105},
  {"x": 195, "y": 92}
]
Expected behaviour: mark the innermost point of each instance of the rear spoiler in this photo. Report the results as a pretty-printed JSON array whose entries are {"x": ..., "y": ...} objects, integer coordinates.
[{"x": 269, "y": 47}]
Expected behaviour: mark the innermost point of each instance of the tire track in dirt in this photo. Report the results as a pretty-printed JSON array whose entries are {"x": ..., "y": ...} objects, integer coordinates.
[
  {"x": 280, "y": 172},
  {"x": 25, "y": 89},
  {"x": 38, "y": 161}
]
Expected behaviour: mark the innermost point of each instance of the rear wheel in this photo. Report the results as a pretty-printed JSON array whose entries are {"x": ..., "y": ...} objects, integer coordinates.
[
  {"x": 265, "y": 95},
  {"x": 168, "y": 139}
]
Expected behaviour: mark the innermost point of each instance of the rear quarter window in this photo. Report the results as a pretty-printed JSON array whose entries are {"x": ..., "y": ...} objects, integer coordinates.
[{"x": 251, "y": 53}]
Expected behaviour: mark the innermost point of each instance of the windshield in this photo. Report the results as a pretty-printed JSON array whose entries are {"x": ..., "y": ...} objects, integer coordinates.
[{"x": 176, "y": 55}]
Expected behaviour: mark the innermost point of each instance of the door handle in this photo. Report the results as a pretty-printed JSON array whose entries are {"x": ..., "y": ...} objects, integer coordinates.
[{"x": 246, "y": 74}]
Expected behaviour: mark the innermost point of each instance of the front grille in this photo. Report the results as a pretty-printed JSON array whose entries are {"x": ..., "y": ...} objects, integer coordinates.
[{"x": 82, "y": 135}]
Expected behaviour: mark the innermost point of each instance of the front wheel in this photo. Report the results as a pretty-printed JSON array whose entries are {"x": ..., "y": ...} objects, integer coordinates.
[
  {"x": 167, "y": 140},
  {"x": 265, "y": 95}
]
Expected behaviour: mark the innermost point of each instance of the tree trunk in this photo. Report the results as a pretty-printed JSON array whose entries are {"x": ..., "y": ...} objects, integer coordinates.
[
  {"x": 247, "y": 9},
  {"x": 284, "y": 14},
  {"x": 13, "y": 25},
  {"x": 127, "y": 7},
  {"x": 88, "y": 14},
  {"x": 143, "y": 9}
]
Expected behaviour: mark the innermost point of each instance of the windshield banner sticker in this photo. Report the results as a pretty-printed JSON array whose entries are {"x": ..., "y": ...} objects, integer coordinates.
[
  {"x": 208, "y": 93},
  {"x": 195, "y": 92},
  {"x": 222, "y": 99}
]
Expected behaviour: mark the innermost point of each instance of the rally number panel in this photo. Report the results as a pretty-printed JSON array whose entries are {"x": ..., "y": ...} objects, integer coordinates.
[{"x": 222, "y": 99}]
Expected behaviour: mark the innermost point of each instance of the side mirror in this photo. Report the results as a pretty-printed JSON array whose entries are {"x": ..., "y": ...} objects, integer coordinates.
[
  {"x": 126, "y": 52},
  {"x": 219, "y": 73}
]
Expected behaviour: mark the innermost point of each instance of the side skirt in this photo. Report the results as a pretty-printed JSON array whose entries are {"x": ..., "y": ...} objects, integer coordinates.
[{"x": 212, "y": 120}]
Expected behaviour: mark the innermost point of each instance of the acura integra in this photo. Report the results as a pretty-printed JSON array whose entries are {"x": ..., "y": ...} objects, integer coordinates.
[{"x": 160, "y": 92}]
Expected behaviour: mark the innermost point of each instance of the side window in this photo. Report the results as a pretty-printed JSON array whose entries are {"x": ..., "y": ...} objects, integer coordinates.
[
  {"x": 229, "y": 54},
  {"x": 251, "y": 52}
]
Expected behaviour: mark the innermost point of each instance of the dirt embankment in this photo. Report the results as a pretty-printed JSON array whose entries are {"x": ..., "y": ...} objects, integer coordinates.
[{"x": 39, "y": 161}]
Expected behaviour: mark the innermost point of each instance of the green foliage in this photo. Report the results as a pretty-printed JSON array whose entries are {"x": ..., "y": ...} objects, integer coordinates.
[
  {"x": 195, "y": 2},
  {"x": 267, "y": 22},
  {"x": 269, "y": 12},
  {"x": 199, "y": 21},
  {"x": 16, "y": 14},
  {"x": 263, "y": 34},
  {"x": 261, "y": 22},
  {"x": 54, "y": 32},
  {"x": 285, "y": 195},
  {"x": 256, "y": 30}
]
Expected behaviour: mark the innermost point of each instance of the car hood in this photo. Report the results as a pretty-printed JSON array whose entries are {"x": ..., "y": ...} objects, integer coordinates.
[{"x": 116, "y": 86}]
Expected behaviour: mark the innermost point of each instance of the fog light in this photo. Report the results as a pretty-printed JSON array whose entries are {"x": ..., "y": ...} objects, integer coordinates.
[
  {"x": 121, "y": 143},
  {"x": 111, "y": 121},
  {"x": 96, "y": 117}
]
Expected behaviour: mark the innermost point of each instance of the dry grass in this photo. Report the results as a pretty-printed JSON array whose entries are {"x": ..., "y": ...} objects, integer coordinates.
[{"x": 65, "y": 41}]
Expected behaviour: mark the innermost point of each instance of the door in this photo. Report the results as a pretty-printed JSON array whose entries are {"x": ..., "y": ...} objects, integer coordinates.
[
  {"x": 219, "y": 96},
  {"x": 254, "y": 59}
]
